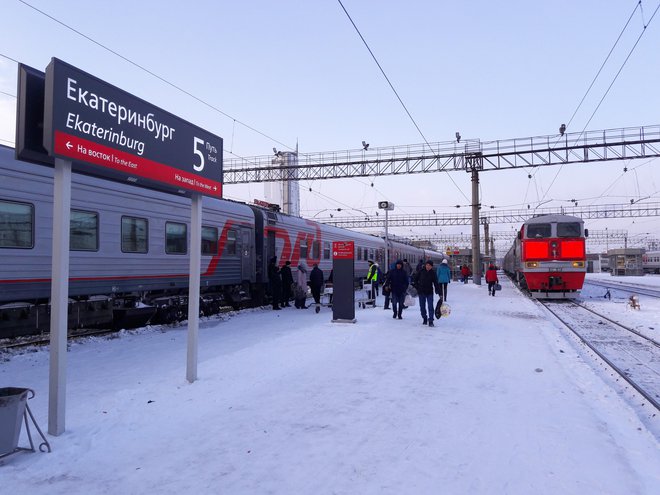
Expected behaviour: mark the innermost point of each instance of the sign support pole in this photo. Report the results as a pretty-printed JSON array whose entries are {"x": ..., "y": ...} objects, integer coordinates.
[
  {"x": 59, "y": 297},
  {"x": 193, "y": 285}
]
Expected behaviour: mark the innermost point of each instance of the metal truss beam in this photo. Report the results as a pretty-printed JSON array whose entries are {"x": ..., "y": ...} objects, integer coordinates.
[
  {"x": 590, "y": 146},
  {"x": 494, "y": 216}
]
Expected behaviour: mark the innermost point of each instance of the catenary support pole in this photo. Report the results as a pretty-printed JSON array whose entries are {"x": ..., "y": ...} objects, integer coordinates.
[
  {"x": 59, "y": 296},
  {"x": 476, "y": 262},
  {"x": 193, "y": 286}
]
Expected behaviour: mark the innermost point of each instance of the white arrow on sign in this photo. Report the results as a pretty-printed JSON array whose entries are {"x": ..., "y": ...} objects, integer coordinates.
[{"x": 69, "y": 145}]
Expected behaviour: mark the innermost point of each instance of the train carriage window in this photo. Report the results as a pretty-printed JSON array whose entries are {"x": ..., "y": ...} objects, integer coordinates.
[
  {"x": 568, "y": 229},
  {"x": 84, "y": 231},
  {"x": 16, "y": 225},
  {"x": 326, "y": 250},
  {"x": 303, "y": 249},
  {"x": 175, "y": 238},
  {"x": 230, "y": 247},
  {"x": 209, "y": 241},
  {"x": 538, "y": 230},
  {"x": 359, "y": 253},
  {"x": 134, "y": 235},
  {"x": 316, "y": 250}
]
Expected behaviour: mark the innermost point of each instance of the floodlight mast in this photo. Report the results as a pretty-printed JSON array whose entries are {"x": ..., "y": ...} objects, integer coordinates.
[{"x": 387, "y": 206}]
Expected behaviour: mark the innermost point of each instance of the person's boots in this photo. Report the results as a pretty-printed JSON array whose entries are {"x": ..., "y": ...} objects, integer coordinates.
[
  {"x": 425, "y": 321},
  {"x": 431, "y": 323},
  {"x": 399, "y": 315}
]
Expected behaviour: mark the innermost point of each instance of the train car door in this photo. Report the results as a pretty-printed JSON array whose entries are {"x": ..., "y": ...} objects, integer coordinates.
[
  {"x": 246, "y": 258},
  {"x": 270, "y": 245}
]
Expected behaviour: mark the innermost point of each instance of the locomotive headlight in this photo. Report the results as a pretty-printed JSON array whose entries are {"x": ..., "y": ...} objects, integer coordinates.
[
  {"x": 532, "y": 264},
  {"x": 578, "y": 264}
]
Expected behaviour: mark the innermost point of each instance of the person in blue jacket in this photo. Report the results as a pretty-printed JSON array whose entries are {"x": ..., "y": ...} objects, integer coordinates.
[{"x": 444, "y": 278}]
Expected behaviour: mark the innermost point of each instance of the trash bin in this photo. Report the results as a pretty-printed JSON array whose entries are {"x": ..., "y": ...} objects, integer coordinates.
[{"x": 12, "y": 407}]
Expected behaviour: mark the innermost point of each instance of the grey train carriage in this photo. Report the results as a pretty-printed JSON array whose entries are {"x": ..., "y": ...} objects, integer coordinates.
[{"x": 129, "y": 257}]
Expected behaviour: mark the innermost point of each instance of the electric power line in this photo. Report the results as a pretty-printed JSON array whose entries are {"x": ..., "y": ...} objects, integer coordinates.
[{"x": 394, "y": 90}]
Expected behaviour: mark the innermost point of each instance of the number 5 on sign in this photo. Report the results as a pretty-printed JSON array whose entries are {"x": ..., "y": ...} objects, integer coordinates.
[{"x": 198, "y": 152}]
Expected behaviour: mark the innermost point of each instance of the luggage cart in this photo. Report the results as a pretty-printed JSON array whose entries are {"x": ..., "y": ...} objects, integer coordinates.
[{"x": 367, "y": 301}]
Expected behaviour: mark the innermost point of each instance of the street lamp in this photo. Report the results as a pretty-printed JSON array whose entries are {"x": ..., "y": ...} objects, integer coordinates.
[{"x": 387, "y": 206}]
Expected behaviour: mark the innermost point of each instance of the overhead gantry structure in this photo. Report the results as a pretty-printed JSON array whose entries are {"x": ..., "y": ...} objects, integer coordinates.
[{"x": 472, "y": 156}]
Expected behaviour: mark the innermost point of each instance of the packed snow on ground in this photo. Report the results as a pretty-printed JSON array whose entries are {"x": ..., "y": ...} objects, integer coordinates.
[{"x": 496, "y": 399}]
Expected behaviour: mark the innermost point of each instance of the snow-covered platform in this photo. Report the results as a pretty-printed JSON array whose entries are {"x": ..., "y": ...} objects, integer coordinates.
[{"x": 496, "y": 399}]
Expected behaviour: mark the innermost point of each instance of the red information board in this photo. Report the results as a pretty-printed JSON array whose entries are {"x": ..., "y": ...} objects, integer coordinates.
[{"x": 343, "y": 250}]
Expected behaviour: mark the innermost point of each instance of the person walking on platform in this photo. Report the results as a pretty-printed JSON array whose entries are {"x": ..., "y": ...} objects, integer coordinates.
[
  {"x": 444, "y": 278},
  {"x": 465, "y": 273},
  {"x": 316, "y": 283},
  {"x": 491, "y": 278},
  {"x": 300, "y": 292},
  {"x": 275, "y": 281},
  {"x": 398, "y": 280},
  {"x": 407, "y": 268},
  {"x": 387, "y": 287},
  {"x": 427, "y": 281},
  {"x": 287, "y": 284}
]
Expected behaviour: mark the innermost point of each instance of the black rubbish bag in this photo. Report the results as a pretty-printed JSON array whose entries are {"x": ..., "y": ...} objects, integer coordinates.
[{"x": 438, "y": 308}]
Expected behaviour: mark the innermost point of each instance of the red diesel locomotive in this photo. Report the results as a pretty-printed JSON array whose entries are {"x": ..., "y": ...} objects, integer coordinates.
[{"x": 548, "y": 257}]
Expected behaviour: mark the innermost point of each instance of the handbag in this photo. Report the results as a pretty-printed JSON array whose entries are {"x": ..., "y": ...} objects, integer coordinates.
[
  {"x": 498, "y": 287},
  {"x": 409, "y": 301}
]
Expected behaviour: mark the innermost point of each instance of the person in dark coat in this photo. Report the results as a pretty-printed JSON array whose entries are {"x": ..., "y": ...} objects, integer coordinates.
[
  {"x": 316, "y": 283},
  {"x": 427, "y": 282},
  {"x": 398, "y": 280},
  {"x": 287, "y": 284},
  {"x": 407, "y": 268},
  {"x": 275, "y": 281},
  {"x": 491, "y": 278},
  {"x": 387, "y": 287}
]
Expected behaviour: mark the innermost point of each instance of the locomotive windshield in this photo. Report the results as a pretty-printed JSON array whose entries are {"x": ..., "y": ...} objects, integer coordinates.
[
  {"x": 538, "y": 230},
  {"x": 571, "y": 229}
]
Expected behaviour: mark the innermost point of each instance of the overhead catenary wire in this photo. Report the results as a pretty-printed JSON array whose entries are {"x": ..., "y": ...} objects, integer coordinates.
[
  {"x": 393, "y": 89},
  {"x": 162, "y": 79},
  {"x": 607, "y": 91}
]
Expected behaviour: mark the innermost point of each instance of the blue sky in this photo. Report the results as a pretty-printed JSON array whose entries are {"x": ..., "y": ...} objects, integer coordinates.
[{"x": 298, "y": 72}]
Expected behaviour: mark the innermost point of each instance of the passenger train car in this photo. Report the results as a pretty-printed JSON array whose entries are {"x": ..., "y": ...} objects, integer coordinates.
[
  {"x": 129, "y": 257},
  {"x": 548, "y": 257},
  {"x": 651, "y": 262}
]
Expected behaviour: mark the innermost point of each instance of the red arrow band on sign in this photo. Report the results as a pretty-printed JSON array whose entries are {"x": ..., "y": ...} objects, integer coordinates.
[{"x": 86, "y": 151}]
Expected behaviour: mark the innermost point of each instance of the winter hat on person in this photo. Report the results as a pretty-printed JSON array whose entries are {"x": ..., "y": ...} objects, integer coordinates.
[
  {"x": 429, "y": 262},
  {"x": 287, "y": 263},
  {"x": 444, "y": 261},
  {"x": 399, "y": 262}
]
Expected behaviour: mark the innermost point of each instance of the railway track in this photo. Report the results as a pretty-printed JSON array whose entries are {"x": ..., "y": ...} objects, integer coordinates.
[
  {"x": 634, "y": 289},
  {"x": 44, "y": 339},
  {"x": 631, "y": 354}
]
